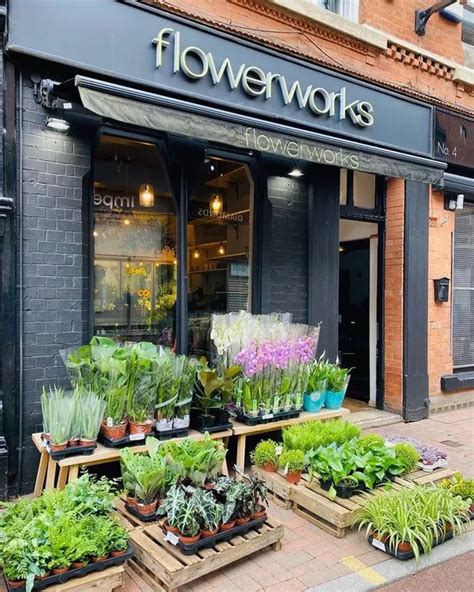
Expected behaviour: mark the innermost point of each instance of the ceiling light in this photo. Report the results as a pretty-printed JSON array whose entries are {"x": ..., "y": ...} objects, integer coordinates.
[
  {"x": 59, "y": 125},
  {"x": 295, "y": 173},
  {"x": 146, "y": 195},
  {"x": 196, "y": 254},
  {"x": 221, "y": 249},
  {"x": 216, "y": 203}
]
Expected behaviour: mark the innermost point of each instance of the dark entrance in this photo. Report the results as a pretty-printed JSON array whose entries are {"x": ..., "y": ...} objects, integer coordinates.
[{"x": 354, "y": 314}]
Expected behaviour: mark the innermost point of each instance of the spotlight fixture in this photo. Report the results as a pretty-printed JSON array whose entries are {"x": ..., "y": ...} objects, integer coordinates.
[
  {"x": 221, "y": 249},
  {"x": 146, "y": 195},
  {"x": 423, "y": 16},
  {"x": 196, "y": 253},
  {"x": 216, "y": 203},
  {"x": 59, "y": 125},
  {"x": 295, "y": 173}
]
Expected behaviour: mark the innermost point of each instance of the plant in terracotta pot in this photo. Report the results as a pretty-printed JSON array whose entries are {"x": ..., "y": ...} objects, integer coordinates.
[
  {"x": 244, "y": 507},
  {"x": 175, "y": 498},
  {"x": 114, "y": 425},
  {"x": 189, "y": 529},
  {"x": 228, "y": 492},
  {"x": 259, "y": 495},
  {"x": 265, "y": 455},
  {"x": 16, "y": 563},
  {"x": 209, "y": 511},
  {"x": 93, "y": 409},
  {"x": 149, "y": 485},
  {"x": 292, "y": 463},
  {"x": 462, "y": 486},
  {"x": 117, "y": 538},
  {"x": 61, "y": 545}
]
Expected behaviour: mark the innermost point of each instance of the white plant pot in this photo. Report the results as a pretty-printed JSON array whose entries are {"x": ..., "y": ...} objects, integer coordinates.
[
  {"x": 164, "y": 425},
  {"x": 179, "y": 423}
]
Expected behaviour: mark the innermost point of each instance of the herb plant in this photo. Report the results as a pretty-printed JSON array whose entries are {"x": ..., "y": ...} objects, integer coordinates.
[
  {"x": 265, "y": 453},
  {"x": 407, "y": 455},
  {"x": 292, "y": 461},
  {"x": 313, "y": 434}
]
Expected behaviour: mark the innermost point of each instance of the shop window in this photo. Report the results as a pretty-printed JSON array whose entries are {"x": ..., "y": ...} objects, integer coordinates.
[
  {"x": 468, "y": 23},
  {"x": 219, "y": 246},
  {"x": 463, "y": 288},
  {"x": 134, "y": 243}
]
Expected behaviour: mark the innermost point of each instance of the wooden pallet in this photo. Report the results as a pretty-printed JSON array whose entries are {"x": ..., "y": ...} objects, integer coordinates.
[
  {"x": 108, "y": 580},
  {"x": 336, "y": 516},
  {"x": 165, "y": 568},
  {"x": 279, "y": 489}
]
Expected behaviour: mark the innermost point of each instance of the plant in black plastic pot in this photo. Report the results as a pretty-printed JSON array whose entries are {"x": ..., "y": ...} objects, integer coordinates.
[{"x": 213, "y": 390}]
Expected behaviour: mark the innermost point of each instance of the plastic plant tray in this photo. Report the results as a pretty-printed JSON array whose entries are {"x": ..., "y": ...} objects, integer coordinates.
[
  {"x": 175, "y": 433},
  {"x": 214, "y": 429},
  {"x": 220, "y": 537},
  {"x": 143, "y": 517},
  {"x": 405, "y": 555},
  {"x": 267, "y": 417},
  {"x": 129, "y": 440},
  {"x": 72, "y": 451},
  {"x": 77, "y": 573}
]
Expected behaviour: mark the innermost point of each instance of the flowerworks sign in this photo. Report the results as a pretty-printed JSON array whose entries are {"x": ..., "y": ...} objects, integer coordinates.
[{"x": 196, "y": 64}]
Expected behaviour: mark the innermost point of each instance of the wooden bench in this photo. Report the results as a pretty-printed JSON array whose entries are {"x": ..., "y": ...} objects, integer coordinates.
[
  {"x": 242, "y": 431},
  {"x": 164, "y": 567},
  {"x": 335, "y": 516},
  {"x": 57, "y": 473}
]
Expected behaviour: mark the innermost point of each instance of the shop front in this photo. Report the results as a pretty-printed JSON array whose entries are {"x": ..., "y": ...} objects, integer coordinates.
[{"x": 174, "y": 172}]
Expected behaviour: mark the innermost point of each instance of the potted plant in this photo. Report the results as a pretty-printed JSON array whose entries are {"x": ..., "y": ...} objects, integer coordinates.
[
  {"x": 209, "y": 511},
  {"x": 117, "y": 538},
  {"x": 16, "y": 563},
  {"x": 99, "y": 534},
  {"x": 259, "y": 496},
  {"x": 61, "y": 546},
  {"x": 185, "y": 370},
  {"x": 149, "y": 484},
  {"x": 407, "y": 455},
  {"x": 174, "y": 499},
  {"x": 462, "y": 486},
  {"x": 92, "y": 413},
  {"x": 337, "y": 382},
  {"x": 114, "y": 425},
  {"x": 189, "y": 530},
  {"x": 213, "y": 390},
  {"x": 265, "y": 455},
  {"x": 316, "y": 385},
  {"x": 244, "y": 508},
  {"x": 292, "y": 463}
]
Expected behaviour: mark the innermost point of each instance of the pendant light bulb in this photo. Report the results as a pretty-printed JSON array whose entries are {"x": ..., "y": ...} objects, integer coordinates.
[
  {"x": 216, "y": 203},
  {"x": 221, "y": 249},
  {"x": 146, "y": 196},
  {"x": 196, "y": 254}
]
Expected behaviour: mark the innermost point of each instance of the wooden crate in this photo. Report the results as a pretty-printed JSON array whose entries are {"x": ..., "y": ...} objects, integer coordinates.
[
  {"x": 335, "y": 516},
  {"x": 279, "y": 489},
  {"x": 108, "y": 580},
  {"x": 165, "y": 568}
]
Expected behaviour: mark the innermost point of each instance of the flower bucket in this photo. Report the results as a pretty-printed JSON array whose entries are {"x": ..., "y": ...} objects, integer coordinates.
[
  {"x": 334, "y": 399},
  {"x": 314, "y": 401}
]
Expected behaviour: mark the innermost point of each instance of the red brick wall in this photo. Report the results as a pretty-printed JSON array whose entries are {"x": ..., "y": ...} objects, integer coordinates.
[
  {"x": 394, "y": 294},
  {"x": 439, "y": 314}
]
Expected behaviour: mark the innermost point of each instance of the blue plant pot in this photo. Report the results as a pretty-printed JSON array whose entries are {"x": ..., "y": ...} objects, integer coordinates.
[
  {"x": 314, "y": 401},
  {"x": 334, "y": 399}
]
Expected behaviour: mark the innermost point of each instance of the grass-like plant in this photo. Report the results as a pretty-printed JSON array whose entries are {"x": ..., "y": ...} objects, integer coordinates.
[
  {"x": 292, "y": 461},
  {"x": 337, "y": 378},
  {"x": 92, "y": 412},
  {"x": 313, "y": 434},
  {"x": 417, "y": 516},
  {"x": 265, "y": 453}
]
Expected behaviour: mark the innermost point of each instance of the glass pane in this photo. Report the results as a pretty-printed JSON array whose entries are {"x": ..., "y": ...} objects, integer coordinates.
[
  {"x": 364, "y": 190},
  {"x": 219, "y": 246},
  {"x": 134, "y": 243}
]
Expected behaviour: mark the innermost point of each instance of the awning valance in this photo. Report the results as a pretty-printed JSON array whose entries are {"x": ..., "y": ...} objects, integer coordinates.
[{"x": 157, "y": 112}]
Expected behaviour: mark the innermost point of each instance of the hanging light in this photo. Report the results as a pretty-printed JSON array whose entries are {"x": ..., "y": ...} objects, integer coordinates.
[
  {"x": 216, "y": 203},
  {"x": 221, "y": 249},
  {"x": 146, "y": 195},
  {"x": 196, "y": 253}
]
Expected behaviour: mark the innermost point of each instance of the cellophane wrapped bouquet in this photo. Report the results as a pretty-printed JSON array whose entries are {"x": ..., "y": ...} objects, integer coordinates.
[{"x": 274, "y": 354}]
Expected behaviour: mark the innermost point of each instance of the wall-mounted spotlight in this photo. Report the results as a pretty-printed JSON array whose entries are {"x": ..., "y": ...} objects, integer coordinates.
[
  {"x": 146, "y": 195},
  {"x": 454, "y": 203},
  {"x": 295, "y": 173},
  {"x": 58, "y": 125},
  {"x": 423, "y": 16}
]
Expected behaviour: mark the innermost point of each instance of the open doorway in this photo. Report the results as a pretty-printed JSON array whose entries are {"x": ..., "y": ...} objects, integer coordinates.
[{"x": 358, "y": 246}]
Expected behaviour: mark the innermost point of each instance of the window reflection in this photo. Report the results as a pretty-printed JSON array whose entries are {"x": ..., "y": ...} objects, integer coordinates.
[{"x": 134, "y": 243}]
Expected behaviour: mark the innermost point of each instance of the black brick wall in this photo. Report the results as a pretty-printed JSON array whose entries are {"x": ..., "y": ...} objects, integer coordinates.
[
  {"x": 54, "y": 309},
  {"x": 285, "y": 284}
]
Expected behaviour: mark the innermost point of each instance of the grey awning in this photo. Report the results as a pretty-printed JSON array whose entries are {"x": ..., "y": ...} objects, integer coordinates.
[
  {"x": 458, "y": 184},
  {"x": 157, "y": 112}
]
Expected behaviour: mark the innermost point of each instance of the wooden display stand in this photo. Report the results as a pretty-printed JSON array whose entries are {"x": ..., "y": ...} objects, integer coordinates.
[
  {"x": 242, "y": 431},
  {"x": 165, "y": 568},
  {"x": 309, "y": 500},
  {"x": 57, "y": 473},
  {"x": 109, "y": 580}
]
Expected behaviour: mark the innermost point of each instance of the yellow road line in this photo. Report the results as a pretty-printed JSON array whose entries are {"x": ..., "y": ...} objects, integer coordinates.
[{"x": 362, "y": 570}]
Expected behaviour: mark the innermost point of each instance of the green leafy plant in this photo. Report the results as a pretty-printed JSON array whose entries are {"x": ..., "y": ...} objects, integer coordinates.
[
  {"x": 117, "y": 536},
  {"x": 337, "y": 378},
  {"x": 313, "y": 434},
  {"x": 416, "y": 516},
  {"x": 317, "y": 376},
  {"x": 214, "y": 387},
  {"x": 292, "y": 461},
  {"x": 185, "y": 518},
  {"x": 368, "y": 441},
  {"x": 407, "y": 455},
  {"x": 265, "y": 453},
  {"x": 208, "y": 509},
  {"x": 459, "y": 485}
]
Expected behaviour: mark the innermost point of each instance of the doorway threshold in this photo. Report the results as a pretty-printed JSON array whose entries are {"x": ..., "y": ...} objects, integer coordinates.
[{"x": 369, "y": 417}]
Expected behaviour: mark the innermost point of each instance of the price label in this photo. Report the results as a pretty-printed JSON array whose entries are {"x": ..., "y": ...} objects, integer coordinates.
[
  {"x": 110, "y": 422},
  {"x": 278, "y": 450},
  {"x": 378, "y": 544},
  {"x": 267, "y": 416},
  {"x": 172, "y": 538},
  {"x": 135, "y": 437}
]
